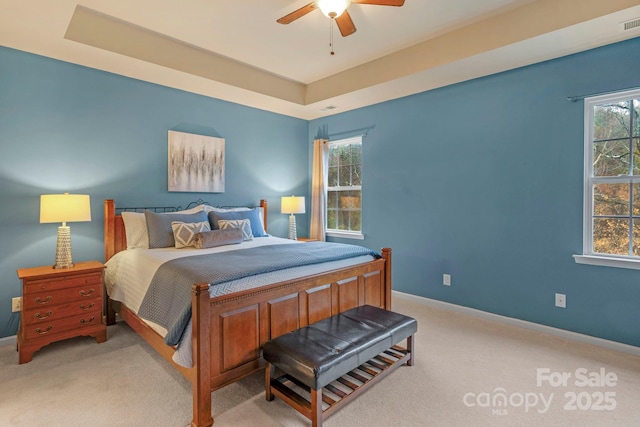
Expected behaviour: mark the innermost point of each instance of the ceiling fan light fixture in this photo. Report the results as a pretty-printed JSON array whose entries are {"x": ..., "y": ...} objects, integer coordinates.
[{"x": 333, "y": 8}]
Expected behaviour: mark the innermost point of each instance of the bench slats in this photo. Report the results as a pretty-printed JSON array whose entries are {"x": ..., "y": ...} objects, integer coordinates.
[
  {"x": 292, "y": 398},
  {"x": 359, "y": 377},
  {"x": 385, "y": 360},
  {"x": 375, "y": 364},
  {"x": 346, "y": 382},
  {"x": 335, "y": 391}
]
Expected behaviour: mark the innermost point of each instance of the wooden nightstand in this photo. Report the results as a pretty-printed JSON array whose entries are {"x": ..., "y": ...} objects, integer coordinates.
[
  {"x": 60, "y": 304},
  {"x": 307, "y": 239}
]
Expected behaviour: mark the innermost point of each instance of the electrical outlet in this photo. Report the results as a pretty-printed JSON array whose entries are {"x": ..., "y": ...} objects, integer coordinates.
[
  {"x": 561, "y": 300},
  {"x": 16, "y": 304},
  {"x": 446, "y": 279}
]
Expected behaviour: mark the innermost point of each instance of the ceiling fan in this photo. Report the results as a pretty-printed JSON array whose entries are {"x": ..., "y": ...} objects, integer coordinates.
[{"x": 336, "y": 10}]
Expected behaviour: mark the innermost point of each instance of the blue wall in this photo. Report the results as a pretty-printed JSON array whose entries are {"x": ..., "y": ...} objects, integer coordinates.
[
  {"x": 69, "y": 128},
  {"x": 483, "y": 180}
]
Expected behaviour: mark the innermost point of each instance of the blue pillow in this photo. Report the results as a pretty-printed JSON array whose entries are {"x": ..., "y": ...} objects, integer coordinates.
[
  {"x": 253, "y": 215},
  {"x": 159, "y": 226}
]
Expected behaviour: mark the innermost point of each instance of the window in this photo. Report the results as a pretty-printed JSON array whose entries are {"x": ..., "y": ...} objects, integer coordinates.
[
  {"x": 612, "y": 178},
  {"x": 344, "y": 191}
]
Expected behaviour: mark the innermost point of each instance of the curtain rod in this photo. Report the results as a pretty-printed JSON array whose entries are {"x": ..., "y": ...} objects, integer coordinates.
[
  {"x": 354, "y": 132},
  {"x": 581, "y": 97}
]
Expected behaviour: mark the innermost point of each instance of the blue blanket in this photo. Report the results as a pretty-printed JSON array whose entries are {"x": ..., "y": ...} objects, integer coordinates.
[{"x": 168, "y": 299}]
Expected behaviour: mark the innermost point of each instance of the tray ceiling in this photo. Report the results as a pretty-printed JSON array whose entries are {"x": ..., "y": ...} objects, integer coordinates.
[{"x": 236, "y": 51}]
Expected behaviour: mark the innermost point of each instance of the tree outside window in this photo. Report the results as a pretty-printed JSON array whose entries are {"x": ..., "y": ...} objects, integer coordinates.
[
  {"x": 612, "y": 171},
  {"x": 344, "y": 192}
]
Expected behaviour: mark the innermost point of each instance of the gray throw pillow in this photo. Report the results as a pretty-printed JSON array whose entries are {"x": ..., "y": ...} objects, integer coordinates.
[
  {"x": 211, "y": 239},
  {"x": 253, "y": 215},
  {"x": 159, "y": 226}
]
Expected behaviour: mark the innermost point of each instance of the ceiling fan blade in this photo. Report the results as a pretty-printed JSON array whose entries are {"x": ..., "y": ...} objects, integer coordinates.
[
  {"x": 380, "y": 2},
  {"x": 287, "y": 19},
  {"x": 345, "y": 24}
]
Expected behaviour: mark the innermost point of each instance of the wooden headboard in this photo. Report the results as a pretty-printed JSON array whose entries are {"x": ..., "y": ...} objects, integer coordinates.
[{"x": 115, "y": 239}]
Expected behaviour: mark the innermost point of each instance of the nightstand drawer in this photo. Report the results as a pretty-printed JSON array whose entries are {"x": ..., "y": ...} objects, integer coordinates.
[
  {"x": 48, "y": 299},
  {"x": 91, "y": 318},
  {"x": 62, "y": 282},
  {"x": 50, "y": 313}
]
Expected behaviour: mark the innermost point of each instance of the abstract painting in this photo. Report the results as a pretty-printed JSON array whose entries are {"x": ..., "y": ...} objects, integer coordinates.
[{"x": 196, "y": 163}]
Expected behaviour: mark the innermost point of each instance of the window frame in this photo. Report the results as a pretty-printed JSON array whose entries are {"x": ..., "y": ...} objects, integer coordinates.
[
  {"x": 588, "y": 255},
  {"x": 346, "y": 234}
]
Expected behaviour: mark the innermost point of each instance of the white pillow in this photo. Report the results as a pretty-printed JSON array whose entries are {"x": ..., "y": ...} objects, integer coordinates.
[
  {"x": 208, "y": 209},
  {"x": 195, "y": 209},
  {"x": 135, "y": 229},
  {"x": 135, "y": 226}
]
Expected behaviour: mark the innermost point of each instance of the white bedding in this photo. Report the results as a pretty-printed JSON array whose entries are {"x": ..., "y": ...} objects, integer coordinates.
[{"x": 129, "y": 274}]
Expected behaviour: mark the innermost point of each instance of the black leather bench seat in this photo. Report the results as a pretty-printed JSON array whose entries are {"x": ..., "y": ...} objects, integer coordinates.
[{"x": 322, "y": 352}]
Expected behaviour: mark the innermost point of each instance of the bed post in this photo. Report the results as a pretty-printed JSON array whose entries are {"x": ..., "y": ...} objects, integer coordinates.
[
  {"x": 109, "y": 251},
  {"x": 201, "y": 342},
  {"x": 263, "y": 205},
  {"x": 386, "y": 255},
  {"x": 109, "y": 231}
]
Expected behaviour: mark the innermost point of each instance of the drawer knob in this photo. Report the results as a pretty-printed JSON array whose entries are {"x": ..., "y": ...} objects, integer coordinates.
[
  {"x": 46, "y": 300},
  {"x": 41, "y": 317},
  {"x": 84, "y": 322},
  {"x": 84, "y": 307},
  {"x": 41, "y": 332},
  {"x": 86, "y": 294}
]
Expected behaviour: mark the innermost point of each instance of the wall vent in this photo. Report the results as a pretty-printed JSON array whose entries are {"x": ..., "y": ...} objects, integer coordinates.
[{"x": 630, "y": 25}]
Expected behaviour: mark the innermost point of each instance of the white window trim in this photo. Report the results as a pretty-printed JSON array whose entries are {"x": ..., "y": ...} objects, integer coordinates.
[
  {"x": 606, "y": 261},
  {"x": 344, "y": 234},
  {"x": 588, "y": 256}
]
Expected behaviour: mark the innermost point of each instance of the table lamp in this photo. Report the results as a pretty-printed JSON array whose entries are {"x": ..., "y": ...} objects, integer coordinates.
[
  {"x": 292, "y": 205},
  {"x": 64, "y": 208}
]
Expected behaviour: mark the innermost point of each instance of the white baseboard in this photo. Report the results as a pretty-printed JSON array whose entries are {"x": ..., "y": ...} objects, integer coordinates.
[
  {"x": 574, "y": 336},
  {"x": 8, "y": 340}
]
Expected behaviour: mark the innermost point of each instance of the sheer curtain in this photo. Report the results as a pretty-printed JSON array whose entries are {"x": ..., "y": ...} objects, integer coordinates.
[{"x": 319, "y": 182}]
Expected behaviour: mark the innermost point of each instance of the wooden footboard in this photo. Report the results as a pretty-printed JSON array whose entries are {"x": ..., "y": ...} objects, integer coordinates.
[{"x": 229, "y": 330}]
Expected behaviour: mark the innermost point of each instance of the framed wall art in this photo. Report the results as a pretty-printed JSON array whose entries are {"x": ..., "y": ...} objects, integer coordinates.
[{"x": 196, "y": 163}]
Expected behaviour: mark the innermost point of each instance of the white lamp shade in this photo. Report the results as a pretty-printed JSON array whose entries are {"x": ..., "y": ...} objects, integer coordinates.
[
  {"x": 65, "y": 208},
  {"x": 333, "y": 8},
  {"x": 292, "y": 205}
]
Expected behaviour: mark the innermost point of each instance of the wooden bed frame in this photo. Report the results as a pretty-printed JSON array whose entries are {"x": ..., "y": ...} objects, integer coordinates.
[{"x": 229, "y": 330}]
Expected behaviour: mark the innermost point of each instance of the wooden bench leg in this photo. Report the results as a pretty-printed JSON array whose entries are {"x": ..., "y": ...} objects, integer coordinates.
[
  {"x": 316, "y": 408},
  {"x": 269, "y": 373},
  {"x": 410, "y": 350}
]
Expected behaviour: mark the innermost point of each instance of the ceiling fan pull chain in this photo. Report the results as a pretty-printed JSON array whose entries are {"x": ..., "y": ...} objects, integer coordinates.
[{"x": 331, "y": 35}]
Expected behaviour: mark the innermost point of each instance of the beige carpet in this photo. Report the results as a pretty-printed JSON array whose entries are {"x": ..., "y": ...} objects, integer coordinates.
[{"x": 463, "y": 366}]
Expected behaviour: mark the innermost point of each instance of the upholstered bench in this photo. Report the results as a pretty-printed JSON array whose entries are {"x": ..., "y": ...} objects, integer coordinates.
[{"x": 335, "y": 359}]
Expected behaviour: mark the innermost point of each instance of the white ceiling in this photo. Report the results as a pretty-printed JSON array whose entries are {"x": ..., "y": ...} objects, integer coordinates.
[{"x": 234, "y": 50}]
